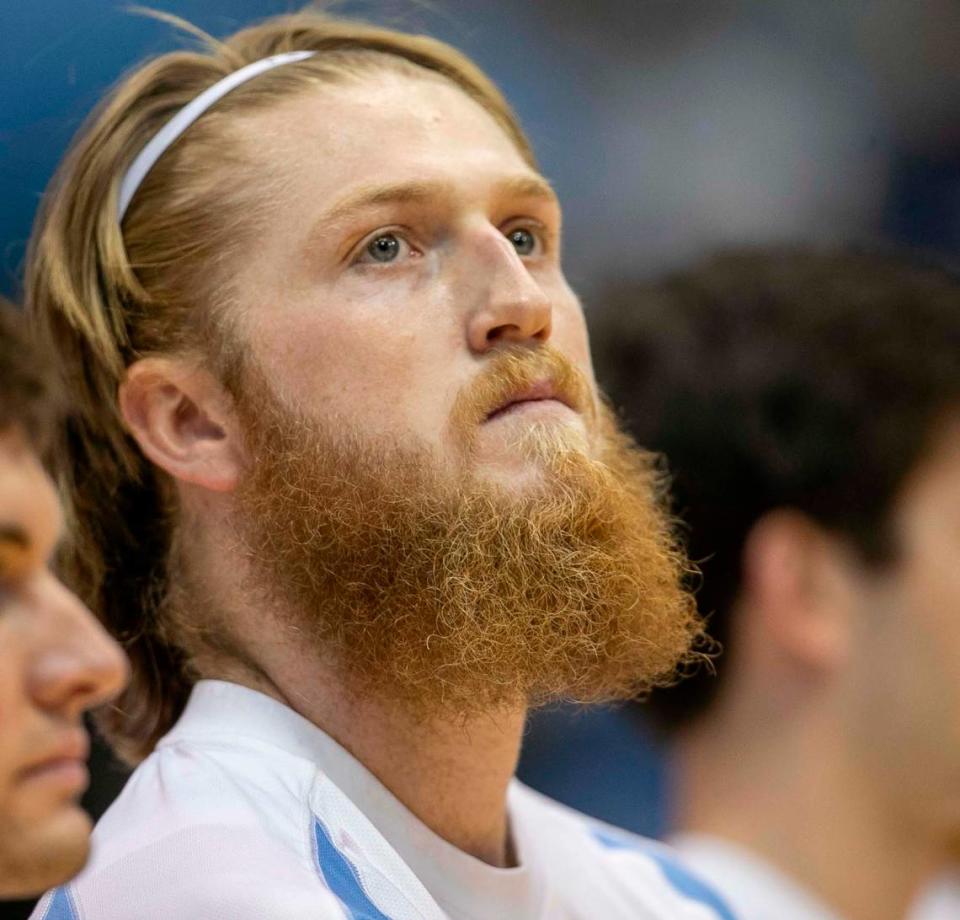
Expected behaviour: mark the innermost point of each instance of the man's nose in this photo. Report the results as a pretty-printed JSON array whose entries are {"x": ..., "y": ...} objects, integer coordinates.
[
  {"x": 512, "y": 308},
  {"x": 76, "y": 665}
]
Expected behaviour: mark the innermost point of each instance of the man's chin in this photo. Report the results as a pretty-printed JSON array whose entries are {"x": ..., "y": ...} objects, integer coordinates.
[
  {"x": 44, "y": 854},
  {"x": 531, "y": 456},
  {"x": 513, "y": 480}
]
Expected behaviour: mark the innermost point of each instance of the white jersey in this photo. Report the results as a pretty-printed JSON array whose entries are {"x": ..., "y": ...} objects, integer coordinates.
[
  {"x": 247, "y": 811},
  {"x": 754, "y": 889}
]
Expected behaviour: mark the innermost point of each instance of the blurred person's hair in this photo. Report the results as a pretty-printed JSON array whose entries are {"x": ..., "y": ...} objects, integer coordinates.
[
  {"x": 780, "y": 379},
  {"x": 28, "y": 401},
  {"x": 105, "y": 297}
]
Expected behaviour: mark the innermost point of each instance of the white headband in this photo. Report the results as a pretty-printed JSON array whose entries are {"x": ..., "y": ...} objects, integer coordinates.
[{"x": 158, "y": 145}]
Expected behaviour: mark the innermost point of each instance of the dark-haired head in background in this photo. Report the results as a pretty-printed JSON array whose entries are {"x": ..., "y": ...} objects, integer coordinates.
[
  {"x": 55, "y": 660},
  {"x": 809, "y": 408}
]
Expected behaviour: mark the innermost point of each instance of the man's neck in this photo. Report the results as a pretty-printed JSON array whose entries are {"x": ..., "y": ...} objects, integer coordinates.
[
  {"x": 451, "y": 773},
  {"x": 785, "y": 797}
]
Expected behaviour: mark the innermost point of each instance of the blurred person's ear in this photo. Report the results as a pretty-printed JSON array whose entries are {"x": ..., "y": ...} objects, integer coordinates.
[
  {"x": 182, "y": 417},
  {"x": 797, "y": 585}
]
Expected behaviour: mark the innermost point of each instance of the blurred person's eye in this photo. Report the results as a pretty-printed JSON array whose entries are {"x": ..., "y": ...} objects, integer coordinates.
[{"x": 15, "y": 561}]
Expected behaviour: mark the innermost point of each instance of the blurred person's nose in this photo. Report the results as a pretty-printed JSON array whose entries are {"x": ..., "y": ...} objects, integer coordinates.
[
  {"x": 75, "y": 664},
  {"x": 510, "y": 307}
]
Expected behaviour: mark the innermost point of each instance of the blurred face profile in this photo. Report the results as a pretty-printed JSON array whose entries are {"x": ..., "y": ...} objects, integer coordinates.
[{"x": 55, "y": 663}]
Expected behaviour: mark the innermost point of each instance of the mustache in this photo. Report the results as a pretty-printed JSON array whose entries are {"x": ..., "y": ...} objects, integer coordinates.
[{"x": 515, "y": 370}]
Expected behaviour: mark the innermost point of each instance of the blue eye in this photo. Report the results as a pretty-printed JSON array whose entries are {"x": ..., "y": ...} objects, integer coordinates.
[
  {"x": 523, "y": 241},
  {"x": 384, "y": 248}
]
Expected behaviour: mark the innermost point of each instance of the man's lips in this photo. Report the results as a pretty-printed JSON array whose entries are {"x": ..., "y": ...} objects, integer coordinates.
[
  {"x": 62, "y": 763},
  {"x": 544, "y": 391}
]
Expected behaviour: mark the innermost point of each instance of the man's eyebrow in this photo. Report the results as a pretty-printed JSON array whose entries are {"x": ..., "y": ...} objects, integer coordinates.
[
  {"x": 413, "y": 192},
  {"x": 532, "y": 186}
]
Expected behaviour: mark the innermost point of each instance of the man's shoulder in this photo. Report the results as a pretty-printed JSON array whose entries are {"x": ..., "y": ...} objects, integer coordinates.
[
  {"x": 184, "y": 790},
  {"x": 941, "y": 900},
  {"x": 196, "y": 828},
  {"x": 199, "y": 833},
  {"x": 583, "y": 852},
  {"x": 202, "y": 884}
]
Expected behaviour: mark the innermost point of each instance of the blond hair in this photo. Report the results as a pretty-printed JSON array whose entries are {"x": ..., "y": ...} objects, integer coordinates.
[{"x": 103, "y": 297}]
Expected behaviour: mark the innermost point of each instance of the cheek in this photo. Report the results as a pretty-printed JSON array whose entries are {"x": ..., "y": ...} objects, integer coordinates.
[
  {"x": 570, "y": 333},
  {"x": 932, "y": 584},
  {"x": 373, "y": 364},
  {"x": 12, "y": 708},
  {"x": 915, "y": 677}
]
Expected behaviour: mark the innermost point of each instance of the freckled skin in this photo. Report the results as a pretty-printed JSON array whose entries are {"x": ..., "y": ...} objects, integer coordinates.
[
  {"x": 388, "y": 347},
  {"x": 55, "y": 662}
]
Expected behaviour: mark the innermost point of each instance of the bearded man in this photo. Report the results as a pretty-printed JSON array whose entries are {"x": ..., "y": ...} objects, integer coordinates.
[{"x": 349, "y": 486}]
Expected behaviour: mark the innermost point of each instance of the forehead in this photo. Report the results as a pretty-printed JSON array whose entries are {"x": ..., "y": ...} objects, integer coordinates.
[{"x": 380, "y": 127}]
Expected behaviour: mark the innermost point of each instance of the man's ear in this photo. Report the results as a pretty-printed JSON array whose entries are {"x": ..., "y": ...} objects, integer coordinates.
[
  {"x": 182, "y": 417},
  {"x": 799, "y": 582}
]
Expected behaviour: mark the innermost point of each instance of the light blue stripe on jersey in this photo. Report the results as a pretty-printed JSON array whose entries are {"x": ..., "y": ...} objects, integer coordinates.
[
  {"x": 61, "y": 906},
  {"x": 342, "y": 878},
  {"x": 676, "y": 874}
]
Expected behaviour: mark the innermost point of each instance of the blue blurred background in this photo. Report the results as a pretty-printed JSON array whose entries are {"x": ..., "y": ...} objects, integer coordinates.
[{"x": 669, "y": 127}]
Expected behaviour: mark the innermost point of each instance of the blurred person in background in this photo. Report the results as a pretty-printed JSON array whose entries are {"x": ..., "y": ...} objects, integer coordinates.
[
  {"x": 350, "y": 496},
  {"x": 56, "y": 661},
  {"x": 808, "y": 405}
]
